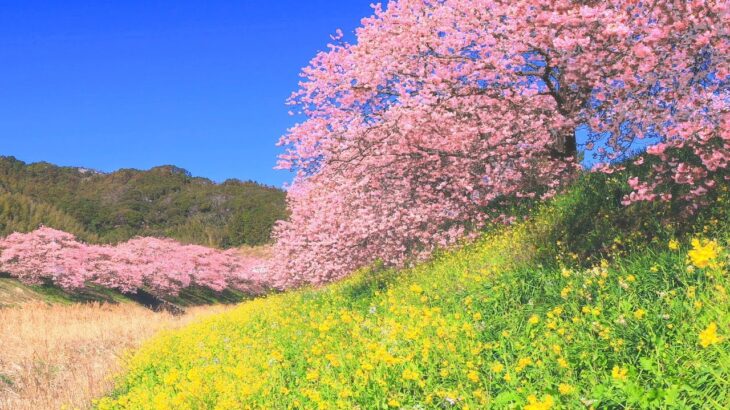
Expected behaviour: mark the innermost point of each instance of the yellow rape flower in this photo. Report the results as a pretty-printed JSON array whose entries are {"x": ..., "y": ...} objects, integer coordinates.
[
  {"x": 312, "y": 375},
  {"x": 534, "y": 404},
  {"x": 565, "y": 292},
  {"x": 703, "y": 253},
  {"x": 565, "y": 389},
  {"x": 522, "y": 363},
  {"x": 334, "y": 360},
  {"x": 619, "y": 373},
  {"x": 639, "y": 313},
  {"x": 497, "y": 367},
  {"x": 709, "y": 337},
  {"x": 673, "y": 245},
  {"x": 409, "y": 374},
  {"x": 534, "y": 319}
]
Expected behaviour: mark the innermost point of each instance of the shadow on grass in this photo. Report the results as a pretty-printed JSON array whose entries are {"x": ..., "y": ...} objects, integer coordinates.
[{"x": 13, "y": 292}]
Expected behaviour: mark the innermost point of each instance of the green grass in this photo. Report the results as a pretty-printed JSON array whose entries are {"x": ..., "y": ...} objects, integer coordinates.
[
  {"x": 583, "y": 305},
  {"x": 14, "y": 293},
  {"x": 6, "y": 380},
  {"x": 199, "y": 296}
]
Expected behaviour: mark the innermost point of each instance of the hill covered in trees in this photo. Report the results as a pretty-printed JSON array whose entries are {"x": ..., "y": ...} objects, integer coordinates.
[{"x": 111, "y": 207}]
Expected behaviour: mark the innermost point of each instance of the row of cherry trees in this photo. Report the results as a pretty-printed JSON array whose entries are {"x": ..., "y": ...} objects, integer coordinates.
[
  {"x": 444, "y": 112},
  {"x": 160, "y": 265}
]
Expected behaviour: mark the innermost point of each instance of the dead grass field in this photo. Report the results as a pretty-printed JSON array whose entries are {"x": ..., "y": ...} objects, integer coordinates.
[
  {"x": 261, "y": 251},
  {"x": 64, "y": 356}
]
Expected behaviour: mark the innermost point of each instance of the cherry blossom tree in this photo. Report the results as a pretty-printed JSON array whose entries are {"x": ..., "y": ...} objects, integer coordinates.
[
  {"x": 162, "y": 266},
  {"x": 444, "y": 112},
  {"x": 46, "y": 253}
]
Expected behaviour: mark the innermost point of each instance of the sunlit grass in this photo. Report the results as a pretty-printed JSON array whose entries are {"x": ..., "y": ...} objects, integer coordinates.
[{"x": 63, "y": 355}]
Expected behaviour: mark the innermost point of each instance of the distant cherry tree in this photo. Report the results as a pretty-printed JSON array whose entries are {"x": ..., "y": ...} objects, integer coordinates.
[
  {"x": 442, "y": 112},
  {"x": 162, "y": 266}
]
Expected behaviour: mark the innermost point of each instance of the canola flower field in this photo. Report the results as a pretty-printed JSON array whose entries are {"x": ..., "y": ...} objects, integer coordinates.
[{"x": 481, "y": 327}]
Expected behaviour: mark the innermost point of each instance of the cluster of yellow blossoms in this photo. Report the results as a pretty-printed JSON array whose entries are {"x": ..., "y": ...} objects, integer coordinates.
[
  {"x": 709, "y": 336},
  {"x": 704, "y": 254}
]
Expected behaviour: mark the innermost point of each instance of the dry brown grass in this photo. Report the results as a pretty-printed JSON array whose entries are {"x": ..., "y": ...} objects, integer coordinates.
[
  {"x": 54, "y": 356},
  {"x": 261, "y": 251}
]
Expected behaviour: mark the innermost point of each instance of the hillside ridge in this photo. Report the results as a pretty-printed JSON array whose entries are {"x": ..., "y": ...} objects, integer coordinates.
[{"x": 110, "y": 207}]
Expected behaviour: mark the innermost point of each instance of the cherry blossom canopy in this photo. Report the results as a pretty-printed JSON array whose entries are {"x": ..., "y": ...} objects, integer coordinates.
[{"x": 444, "y": 111}]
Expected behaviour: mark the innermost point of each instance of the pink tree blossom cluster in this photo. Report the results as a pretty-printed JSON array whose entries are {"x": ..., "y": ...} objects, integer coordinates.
[
  {"x": 160, "y": 265},
  {"x": 443, "y": 111}
]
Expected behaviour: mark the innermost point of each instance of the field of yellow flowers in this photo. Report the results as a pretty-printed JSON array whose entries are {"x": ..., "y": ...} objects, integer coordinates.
[{"x": 486, "y": 326}]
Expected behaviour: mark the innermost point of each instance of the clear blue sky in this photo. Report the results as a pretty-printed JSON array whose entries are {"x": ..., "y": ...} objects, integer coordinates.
[{"x": 134, "y": 84}]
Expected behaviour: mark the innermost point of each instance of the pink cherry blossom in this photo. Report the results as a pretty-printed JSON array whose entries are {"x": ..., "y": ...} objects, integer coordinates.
[
  {"x": 160, "y": 265},
  {"x": 443, "y": 112}
]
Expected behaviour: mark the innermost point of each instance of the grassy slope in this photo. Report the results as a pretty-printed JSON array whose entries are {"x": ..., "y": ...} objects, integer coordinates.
[
  {"x": 500, "y": 323},
  {"x": 13, "y": 292}
]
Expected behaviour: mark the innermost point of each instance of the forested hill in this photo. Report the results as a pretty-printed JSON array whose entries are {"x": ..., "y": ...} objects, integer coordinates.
[{"x": 111, "y": 207}]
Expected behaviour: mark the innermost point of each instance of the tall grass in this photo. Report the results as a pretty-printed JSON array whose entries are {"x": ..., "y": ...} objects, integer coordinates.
[{"x": 54, "y": 356}]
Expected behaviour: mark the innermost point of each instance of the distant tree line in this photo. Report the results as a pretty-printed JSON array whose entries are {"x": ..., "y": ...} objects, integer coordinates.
[{"x": 112, "y": 207}]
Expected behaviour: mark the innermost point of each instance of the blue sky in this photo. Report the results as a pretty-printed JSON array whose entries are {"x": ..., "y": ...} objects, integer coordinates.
[{"x": 134, "y": 84}]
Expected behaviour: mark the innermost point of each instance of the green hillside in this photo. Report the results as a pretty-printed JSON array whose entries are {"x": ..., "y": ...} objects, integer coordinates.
[
  {"x": 20, "y": 213},
  {"x": 586, "y": 304},
  {"x": 111, "y": 207}
]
